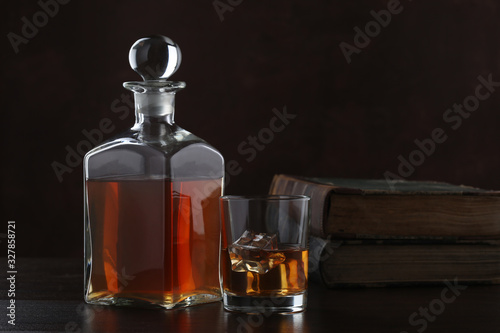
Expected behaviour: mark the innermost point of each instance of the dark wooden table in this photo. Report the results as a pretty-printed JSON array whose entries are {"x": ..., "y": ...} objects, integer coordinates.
[{"x": 49, "y": 299}]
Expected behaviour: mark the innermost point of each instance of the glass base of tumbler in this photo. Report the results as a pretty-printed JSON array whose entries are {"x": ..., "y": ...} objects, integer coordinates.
[{"x": 264, "y": 304}]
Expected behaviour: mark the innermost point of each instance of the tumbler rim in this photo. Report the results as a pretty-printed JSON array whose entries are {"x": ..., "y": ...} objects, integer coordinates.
[{"x": 266, "y": 197}]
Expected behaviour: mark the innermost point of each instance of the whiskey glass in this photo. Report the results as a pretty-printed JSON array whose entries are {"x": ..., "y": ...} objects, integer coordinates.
[{"x": 264, "y": 256}]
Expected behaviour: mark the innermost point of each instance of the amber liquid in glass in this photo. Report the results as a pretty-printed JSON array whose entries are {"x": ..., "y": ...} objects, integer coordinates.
[
  {"x": 154, "y": 241},
  {"x": 287, "y": 278}
]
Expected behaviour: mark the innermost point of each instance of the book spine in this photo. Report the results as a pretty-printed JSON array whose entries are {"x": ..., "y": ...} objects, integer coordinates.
[
  {"x": 319, "y": 194},
  {"x": 320, "y": 250},
  {"x": 316, "y": 248}
]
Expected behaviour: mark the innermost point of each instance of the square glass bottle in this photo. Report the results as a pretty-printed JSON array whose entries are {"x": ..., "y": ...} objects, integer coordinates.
[{"x": 152, "y": 230}]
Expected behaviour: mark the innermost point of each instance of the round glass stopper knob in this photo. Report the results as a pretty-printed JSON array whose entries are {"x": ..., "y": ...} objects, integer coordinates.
[{"x": 155, "y": 57}]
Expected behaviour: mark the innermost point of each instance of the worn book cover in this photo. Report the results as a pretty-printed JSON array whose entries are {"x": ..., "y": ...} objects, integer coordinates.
[
  {"x": 378, "y": 209},
  {"x": 383, "y": 263}
]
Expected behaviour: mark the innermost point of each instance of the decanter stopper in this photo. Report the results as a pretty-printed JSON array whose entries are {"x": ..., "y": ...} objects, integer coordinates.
[{"x": 155, "y": 58}]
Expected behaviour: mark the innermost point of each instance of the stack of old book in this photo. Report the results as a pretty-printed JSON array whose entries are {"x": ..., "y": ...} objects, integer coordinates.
[{"x": 383, "y": 233}]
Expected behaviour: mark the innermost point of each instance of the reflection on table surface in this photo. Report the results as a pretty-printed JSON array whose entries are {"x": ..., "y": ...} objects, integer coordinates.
[
  {"x": 202, "y": 318},
  {"x": 49, "y": 298}
]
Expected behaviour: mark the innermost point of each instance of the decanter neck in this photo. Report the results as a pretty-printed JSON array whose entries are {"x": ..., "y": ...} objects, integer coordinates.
[
  {"x": 154, "y": 116},
  {"x": 141, "y": 120},
  {"x": 154, "y": 107},
  {"x": 154, "y": 104},
  {"x": 154, "y": 101}
]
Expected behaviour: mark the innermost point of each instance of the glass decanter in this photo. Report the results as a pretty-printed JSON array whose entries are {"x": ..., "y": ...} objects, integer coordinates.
[{"x": 152, "y": 230}]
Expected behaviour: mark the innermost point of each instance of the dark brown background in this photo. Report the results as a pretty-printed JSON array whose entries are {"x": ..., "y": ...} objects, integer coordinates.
[{"x": 353, "y": 120}]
